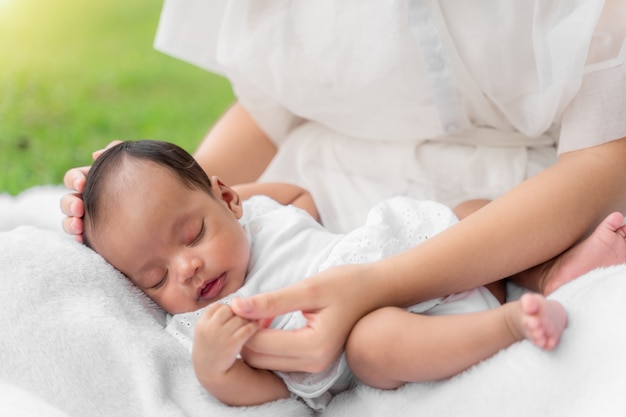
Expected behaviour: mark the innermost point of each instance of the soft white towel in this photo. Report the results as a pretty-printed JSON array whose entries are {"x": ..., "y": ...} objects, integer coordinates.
[
  {"x": 79, "y": 337},
  {"x": 38, "y": 206}
]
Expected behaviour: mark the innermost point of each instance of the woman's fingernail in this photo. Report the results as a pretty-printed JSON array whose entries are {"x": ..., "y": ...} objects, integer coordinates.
[{"x": 75, "y": 228}]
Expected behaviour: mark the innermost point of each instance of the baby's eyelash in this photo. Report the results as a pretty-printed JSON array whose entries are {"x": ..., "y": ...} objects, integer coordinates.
[
  {"x": 199, "y": 235},
  {"x": 160, "y": 283}
]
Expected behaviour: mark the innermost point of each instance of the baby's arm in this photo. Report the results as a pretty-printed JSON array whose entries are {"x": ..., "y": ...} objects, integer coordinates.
[
  {"x": 282, "y": 192},
  {"x": 219, "y": 337}
]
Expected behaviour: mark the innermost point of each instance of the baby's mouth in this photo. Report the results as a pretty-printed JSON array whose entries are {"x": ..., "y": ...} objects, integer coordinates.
[{"x": 212, "y": 288}]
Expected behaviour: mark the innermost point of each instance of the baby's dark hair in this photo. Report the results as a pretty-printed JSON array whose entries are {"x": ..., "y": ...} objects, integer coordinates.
[{"x": 103, "y": 174}]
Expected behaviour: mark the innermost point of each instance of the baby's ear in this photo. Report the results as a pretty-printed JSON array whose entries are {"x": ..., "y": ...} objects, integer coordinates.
[{"x": 228, "y": 195}]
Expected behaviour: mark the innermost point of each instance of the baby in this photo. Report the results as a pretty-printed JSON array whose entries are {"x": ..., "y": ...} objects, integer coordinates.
[{"x": 190, "y": 243}]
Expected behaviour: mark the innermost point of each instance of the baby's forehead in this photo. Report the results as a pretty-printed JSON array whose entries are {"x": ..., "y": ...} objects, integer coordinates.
[
  {"x": 133, "y": 164},
  {"x": 141, "y": 172},
  {"x": 131, "y": 178},
  {"x": 126, "y": 191}
]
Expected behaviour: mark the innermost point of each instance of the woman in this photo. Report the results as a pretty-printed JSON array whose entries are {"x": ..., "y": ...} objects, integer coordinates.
[{"x": 436, "y": 100}]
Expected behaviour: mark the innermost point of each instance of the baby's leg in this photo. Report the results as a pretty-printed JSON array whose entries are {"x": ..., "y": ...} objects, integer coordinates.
[
  {"x": 606, "y": 246},
  {"x": 391, "y": 346}
]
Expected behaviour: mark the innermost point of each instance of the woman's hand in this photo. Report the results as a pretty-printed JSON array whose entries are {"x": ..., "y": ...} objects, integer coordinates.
[
  {"x": 72, "y": 204},
  {"x": 332, "y": 302}
]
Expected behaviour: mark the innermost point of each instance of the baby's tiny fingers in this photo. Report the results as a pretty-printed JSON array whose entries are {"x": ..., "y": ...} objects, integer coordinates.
[{"x": 245, "y": 332}]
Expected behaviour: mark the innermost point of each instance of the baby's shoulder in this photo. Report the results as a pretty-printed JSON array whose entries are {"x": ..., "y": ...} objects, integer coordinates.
[{"x": 258, "y": 206}]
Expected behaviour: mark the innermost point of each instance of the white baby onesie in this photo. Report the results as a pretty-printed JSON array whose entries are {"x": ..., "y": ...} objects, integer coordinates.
[{"x": 287, "y": 245}]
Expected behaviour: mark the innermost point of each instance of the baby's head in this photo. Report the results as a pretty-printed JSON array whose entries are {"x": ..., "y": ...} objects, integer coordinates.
[{"x": 152, "y": 213}]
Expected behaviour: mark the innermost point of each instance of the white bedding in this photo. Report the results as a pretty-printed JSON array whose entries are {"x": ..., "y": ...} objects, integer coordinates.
[{"x": 77, "y": 339}]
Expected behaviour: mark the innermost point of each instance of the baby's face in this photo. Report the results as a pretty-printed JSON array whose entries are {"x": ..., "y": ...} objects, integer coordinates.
[{"x": 184, "y": 248}]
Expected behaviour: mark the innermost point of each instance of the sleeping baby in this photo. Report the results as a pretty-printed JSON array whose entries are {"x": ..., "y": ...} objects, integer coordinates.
[{"x": 191, "y": 244}]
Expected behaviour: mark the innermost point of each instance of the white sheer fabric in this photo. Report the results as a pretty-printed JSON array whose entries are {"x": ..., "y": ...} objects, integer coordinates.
[{"x": 517, "y": 76}]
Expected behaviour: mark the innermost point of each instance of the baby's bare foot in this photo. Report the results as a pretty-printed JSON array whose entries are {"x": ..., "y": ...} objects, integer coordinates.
[
  {"x": 605, "y": 247},
  {"x": 541, "y": 321}
]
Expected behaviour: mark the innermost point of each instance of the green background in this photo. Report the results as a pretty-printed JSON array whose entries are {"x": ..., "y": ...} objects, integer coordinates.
[{"x": 76, "y": 74}]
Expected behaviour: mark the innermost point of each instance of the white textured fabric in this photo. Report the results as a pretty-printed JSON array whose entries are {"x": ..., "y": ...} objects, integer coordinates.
[
  {"x": 348, "y": 176},
  {"x": 415, "y": 69},
  {"x": 455, "y": 100},
  {"x": 287, "y": 245}
]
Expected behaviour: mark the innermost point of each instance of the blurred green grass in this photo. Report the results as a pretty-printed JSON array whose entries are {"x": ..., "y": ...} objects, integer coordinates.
[{"x": 75, "y": 75}]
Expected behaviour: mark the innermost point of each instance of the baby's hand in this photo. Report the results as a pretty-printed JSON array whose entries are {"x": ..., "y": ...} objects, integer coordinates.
[{"x": 219, "y": 337}]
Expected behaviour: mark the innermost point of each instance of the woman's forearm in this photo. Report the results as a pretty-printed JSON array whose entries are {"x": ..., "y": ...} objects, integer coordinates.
[
  {"x": 235, "y": 149},
  {"x": 532, "y": 223}
]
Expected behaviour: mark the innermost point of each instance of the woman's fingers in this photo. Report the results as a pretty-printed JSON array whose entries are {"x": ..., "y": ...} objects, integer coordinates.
[
  {"x": 330, "y": 312},
  {"x": 293, "y": 350},
  {"x": 75, "y": 178},
  {"x": 74, "y": 209},
  {"x": 99, "y": 152},
  {"x": 303, "y": 295},
  {"x": 73, "y": 226},
  {"x": 72, "y": 204}
]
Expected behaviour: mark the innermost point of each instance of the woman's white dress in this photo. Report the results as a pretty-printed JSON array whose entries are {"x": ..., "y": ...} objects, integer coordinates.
[{"x": 440, "y": 100}]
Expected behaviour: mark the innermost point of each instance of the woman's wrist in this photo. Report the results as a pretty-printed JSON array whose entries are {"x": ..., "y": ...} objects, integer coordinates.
[
  {"x": 367, "y": 288},
  {"x": 388, "y": 282}
]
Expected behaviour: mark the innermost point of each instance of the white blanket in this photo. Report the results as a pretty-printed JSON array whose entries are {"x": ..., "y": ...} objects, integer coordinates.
[{"x": 77, "y": 339}]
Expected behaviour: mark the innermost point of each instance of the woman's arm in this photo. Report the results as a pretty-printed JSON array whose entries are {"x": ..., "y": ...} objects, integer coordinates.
[
  {"x": 531, "y": 224},
  {"x": 282, "y": 192},
  {"x": 235, "y": 149}
]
